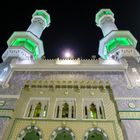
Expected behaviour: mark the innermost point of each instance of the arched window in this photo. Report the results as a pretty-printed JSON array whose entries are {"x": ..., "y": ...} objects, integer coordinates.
[
  {"x": 37, "y": 111},
  {"x": 93, "y": 111},
  {"x": 37, "y": 107},
  {"x": 62, "y": 134},
  {"x": 65, "y": 110},
  {"x": 30, "y": 133},
  {"x": 95, "y": 134}
]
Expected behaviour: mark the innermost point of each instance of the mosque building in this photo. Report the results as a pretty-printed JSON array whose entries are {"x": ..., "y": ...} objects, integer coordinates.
[{"x": 70, "y": 99}]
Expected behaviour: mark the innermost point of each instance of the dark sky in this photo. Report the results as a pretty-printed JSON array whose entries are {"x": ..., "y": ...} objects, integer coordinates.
[{"x": 72, "y": 23}]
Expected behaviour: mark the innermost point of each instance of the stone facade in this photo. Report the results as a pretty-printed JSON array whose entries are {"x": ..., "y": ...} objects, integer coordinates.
[{"x": 79, "y": 125}]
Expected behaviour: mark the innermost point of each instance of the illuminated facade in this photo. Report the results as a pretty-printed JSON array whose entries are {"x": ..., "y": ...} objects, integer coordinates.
[{"x": 70, "y": 99}]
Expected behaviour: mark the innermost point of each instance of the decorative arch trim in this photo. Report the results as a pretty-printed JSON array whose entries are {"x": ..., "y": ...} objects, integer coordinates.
[
  {"x": 59, "y": 129},
  {"x": 28, "y": 129},
  {"x": 95, "y": 130}
]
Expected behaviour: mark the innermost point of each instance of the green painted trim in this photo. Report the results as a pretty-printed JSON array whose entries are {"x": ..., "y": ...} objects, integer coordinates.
[
  {"x": 114, "y": 43},
  {"x": 119, "y": 41},
  {"x": 27, "y": 44}
]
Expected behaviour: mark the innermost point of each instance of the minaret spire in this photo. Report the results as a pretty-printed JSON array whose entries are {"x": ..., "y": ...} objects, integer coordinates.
[
  {"x": 27, "y": 45},
  {"x": 40, "y": 20},
  {"x": 116, "y": 43}
]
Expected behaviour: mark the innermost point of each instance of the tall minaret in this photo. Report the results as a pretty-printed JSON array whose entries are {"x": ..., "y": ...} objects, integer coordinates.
[
  {"x": 116, "y": 43},
  {"x": 27, "y": 45}
]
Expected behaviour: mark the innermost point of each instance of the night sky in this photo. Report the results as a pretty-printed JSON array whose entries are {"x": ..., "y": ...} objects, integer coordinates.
[{"x": 72, "y": 23}]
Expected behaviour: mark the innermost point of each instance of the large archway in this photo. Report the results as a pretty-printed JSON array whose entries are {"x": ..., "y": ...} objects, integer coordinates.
[
  {"x": 30, "y": 133},
  {"x": 95, "y": 134},
  {"x": 62, "y": 134}
]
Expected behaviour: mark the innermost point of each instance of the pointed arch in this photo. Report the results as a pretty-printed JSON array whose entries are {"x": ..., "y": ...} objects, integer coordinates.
[
  {"x": 37, "y": 111},
  {"x": 30, "y": 133},
  {"x": 62, "y": 134},
  {"x": 95, "y": 134},
  {"x": 65, "y": 110},
  {"x": 37, "y": 107},
  {"x": 45, "y": 110},
  {"x": 93, "y": 111}
]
